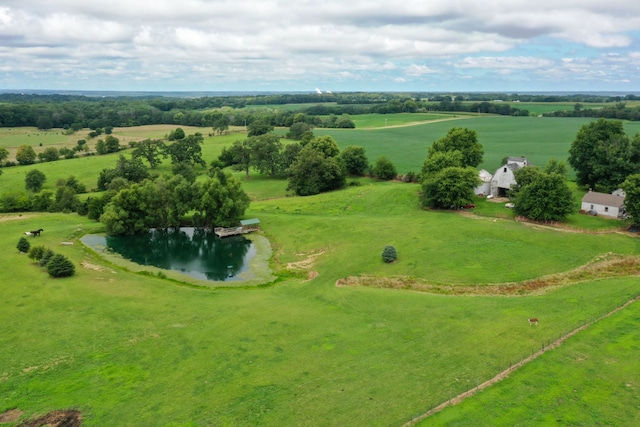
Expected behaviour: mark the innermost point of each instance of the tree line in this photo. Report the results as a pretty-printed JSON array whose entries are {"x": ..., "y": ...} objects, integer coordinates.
[
  {"x": 619, "y": 111},
  {"x": 76, "y": 112},
  {"x": 134, "y": 199}
]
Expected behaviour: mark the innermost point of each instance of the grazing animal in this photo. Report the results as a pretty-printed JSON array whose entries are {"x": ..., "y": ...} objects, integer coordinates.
[
  {"x": 533, "y": 321},
  {"x": 34, "y": 233}
]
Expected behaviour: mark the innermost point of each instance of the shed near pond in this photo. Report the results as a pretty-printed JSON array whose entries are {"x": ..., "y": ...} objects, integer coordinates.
[{"x": 246, "y": 226}]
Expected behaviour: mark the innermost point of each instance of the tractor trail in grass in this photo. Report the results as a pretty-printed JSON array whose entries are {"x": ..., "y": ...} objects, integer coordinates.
[{"x": 504, "y": 374}]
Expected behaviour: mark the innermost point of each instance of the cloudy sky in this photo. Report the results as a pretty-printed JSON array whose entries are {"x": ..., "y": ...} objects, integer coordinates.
[{"x": 338, "y": 45}]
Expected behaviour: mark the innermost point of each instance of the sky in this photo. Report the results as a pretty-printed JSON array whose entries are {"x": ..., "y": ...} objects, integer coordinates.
[{"x": 321, "y": 45}]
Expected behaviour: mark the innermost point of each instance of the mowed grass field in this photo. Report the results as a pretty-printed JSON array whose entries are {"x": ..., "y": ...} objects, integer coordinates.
[{"x": 130, "y": 349}]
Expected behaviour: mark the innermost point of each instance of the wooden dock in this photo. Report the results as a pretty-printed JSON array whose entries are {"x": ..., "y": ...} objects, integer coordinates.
[
  {"x": 231, "y": 231},
  {"x": 246, "y": 226}
]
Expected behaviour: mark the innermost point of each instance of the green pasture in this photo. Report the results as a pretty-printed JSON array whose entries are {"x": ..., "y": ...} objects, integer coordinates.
[
  {"x": 459, "y": 249},
  {"x": 572, "y": 385},
  {"x": 130, "y": 349},
  {"x": 87, "y": 168},
  {"x": 134, "y": 349}
]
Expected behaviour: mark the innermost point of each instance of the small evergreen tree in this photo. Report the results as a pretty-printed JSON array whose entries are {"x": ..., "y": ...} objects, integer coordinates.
[
  {"x": 46, "y": 256},
  {"x": 23, "y": 245},
  {"x": 389, "y": 254},
  {"x": 60, "y": 266},
  {"x": 37, "y": 252}
]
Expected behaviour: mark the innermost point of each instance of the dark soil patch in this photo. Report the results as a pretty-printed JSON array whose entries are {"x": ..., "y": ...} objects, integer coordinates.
[{"x": 62, "y": 418}]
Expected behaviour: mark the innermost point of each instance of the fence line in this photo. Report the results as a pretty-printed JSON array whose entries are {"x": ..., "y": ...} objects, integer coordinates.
[
  {"x": 584, "y": 324},
  {"x": 562, "y": 226}
]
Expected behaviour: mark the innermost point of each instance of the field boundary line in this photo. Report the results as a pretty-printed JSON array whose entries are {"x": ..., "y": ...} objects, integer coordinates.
[{"x": 502, "y": 375}]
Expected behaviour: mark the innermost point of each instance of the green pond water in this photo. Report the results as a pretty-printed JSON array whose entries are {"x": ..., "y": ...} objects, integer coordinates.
[{"x": 194, "y": 252}]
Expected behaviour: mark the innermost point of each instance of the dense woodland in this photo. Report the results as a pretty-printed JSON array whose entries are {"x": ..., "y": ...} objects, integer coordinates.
[{"x": 77, "y": 112}]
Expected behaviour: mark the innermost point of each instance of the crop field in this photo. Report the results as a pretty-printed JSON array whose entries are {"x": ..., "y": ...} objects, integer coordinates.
[
  {"x": 338, "y": 338},
  {"x": 539, "y": 139}
]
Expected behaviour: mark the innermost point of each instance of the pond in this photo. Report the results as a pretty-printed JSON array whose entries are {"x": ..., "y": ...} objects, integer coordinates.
[{"x": 191, "y": 251}]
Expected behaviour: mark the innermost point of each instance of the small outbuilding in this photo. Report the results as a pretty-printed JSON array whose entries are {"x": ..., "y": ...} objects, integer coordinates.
[
  {"x": 603, "y": 204},
  {"x": 483, "y": 189}
]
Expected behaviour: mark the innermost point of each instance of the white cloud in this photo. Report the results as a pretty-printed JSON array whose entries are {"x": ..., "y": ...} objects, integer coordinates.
[
  {"x": 222, "y": 41},
  {"x": 418, "y": 70},
  {"x": 504, "y": 62}
]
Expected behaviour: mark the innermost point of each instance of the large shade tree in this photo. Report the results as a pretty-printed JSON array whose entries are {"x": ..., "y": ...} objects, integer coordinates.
[
  {"x": 603, "y": 155},
  {"x": 450, "y": 188},
  {"x": 187, "y": 150},
  {"x": 221, "y": 200},
  {"x": 151, "y": 150},
  {"x": 265, "y": 153},
  {"x": 631, "y": 187},
  {"x": 463, "y": 140},
  {"x": 314, "y": 172},
  {"x": 545, "y": 197},
  {"x": 355, "y": 160}
]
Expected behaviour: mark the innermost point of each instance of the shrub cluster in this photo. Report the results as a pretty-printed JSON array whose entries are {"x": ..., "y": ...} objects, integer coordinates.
[{"x": 57, "y": 265}]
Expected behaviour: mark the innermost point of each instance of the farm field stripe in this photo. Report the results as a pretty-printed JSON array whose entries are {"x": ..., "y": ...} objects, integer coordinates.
[{"x": 502, "y": 375}]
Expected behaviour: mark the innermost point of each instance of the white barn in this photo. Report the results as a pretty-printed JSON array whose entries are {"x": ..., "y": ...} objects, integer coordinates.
[
  {"x": 504, "y": 177},
  {"x": 603, "y": 204}
]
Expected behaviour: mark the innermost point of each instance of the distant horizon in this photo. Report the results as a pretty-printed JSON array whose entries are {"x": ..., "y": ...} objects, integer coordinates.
[{"x": 203, "y": 93}]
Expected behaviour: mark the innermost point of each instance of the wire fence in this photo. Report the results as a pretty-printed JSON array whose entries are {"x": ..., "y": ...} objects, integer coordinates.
[{"x": 535, "y": 352}]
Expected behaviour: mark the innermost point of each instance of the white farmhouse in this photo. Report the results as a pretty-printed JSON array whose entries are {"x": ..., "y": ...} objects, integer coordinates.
[{"x": 603, "y": 204}]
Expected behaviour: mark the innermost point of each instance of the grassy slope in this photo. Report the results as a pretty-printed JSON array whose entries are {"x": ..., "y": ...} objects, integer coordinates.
[
  {"x": 299, "y": 353},
  {"x": 127, "y": 349},
  {"x": 573, "y": 385}
]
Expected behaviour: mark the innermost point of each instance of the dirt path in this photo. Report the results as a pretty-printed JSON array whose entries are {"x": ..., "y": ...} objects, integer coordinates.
[
  {"x": 502, "y": 375},
  {"x": 422, "y": 122}
]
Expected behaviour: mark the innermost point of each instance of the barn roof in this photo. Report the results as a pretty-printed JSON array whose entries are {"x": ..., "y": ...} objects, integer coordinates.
[{"x": 603, "y": 199}]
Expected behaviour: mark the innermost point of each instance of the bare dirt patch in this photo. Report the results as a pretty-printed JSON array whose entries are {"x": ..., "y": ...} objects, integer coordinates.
[
  {"x": 306, "y": 263},
  {"x": 90, "y": 266},
  {"x": 61, "y": 418},
  {"x": 5, "y": 218},
  {"x": 10, "y": 416},
  {"x": 604, "y": 266}
]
